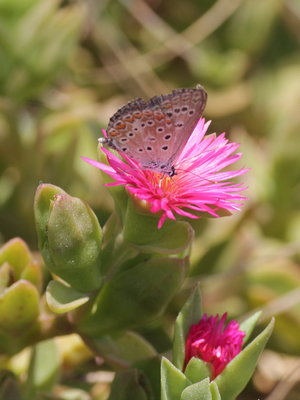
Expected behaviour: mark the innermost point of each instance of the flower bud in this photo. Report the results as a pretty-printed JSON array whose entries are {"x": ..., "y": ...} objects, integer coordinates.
[
  {"x": 208, "y": 357},
  {"x": 69, "y": 237},
  {"x": 213, "y": 342}
]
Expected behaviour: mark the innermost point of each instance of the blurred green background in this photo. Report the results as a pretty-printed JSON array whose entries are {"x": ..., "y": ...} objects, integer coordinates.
[{"x": 67, "y": 66}]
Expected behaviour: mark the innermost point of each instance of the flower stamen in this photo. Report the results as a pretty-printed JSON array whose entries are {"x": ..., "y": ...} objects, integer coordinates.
[{"x": 213, "y": 342}]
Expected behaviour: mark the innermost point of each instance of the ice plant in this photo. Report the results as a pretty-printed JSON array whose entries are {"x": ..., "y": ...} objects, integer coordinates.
[
  {"x": 199, "y": 183},
  {"x": 213, "y": 342},
  {"x": 208, "y": 361}
]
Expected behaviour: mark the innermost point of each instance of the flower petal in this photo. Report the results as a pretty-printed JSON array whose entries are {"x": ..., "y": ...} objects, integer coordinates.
[{"x": 199, "y": 182}]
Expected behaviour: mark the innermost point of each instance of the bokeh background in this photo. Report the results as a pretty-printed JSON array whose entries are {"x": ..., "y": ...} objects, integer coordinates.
[{"x": 67, "y": 66}]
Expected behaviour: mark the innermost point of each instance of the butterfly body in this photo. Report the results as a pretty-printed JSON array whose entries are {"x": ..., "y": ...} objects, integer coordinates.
[{"x": 154, "y": 132}]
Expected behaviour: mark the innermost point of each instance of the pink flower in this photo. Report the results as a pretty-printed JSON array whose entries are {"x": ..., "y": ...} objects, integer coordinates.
[
  {"x": 214, "y": 343},
  {"x": 199, "y": 185}
]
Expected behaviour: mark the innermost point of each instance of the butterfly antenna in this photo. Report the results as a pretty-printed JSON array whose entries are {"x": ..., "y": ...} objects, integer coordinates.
[{"x": 198, "y": 176}]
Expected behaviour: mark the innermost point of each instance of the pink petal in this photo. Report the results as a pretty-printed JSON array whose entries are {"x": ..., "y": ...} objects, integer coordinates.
[{"x": 200, "y": 184}]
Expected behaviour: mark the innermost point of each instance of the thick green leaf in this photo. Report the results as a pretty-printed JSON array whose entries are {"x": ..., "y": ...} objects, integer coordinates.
[
  {"x": 5, "y": 271},
  {"x": 61, "y": 298},
  {"x": 239, "y": 371},
  {"x": 151, "y": 369},
  {"x": 135, "y": 296},
  {"x": 17, "y": 254},
  {"x": 197, "y": 391},
  {"x": 190, "y": 314},
  {"x": 33, "y": 273},
  {"x": 215, "y": 394},
  {"x": 19, "y": 307},
  {"x": 115, "y": 252},
  {"x": 43, "y": 368},
  {"x": 173, "y": 381},
  {"x": 123, "y": 349},
  {"x": 248, "y": 325},
  {"x": 128, "y": 385},
  {"x": 133, "y": 347},
  {"x": 197, "y": 370}
]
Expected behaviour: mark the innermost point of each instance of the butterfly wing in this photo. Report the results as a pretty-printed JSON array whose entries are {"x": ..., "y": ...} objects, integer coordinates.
[
  {"x": 183, "y": 109},
  {"x": 155, "y": 132}
]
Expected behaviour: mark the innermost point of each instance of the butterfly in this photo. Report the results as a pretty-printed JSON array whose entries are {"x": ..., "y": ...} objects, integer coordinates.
[{"x": 154, "y": 132}]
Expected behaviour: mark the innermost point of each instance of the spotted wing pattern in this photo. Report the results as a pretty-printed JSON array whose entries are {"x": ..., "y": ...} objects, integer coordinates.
[{"x": 155, "y": 132}]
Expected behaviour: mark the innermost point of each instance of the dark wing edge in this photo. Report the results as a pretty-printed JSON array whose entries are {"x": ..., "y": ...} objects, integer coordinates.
[
  {"x": 139, "y": 104},
  {"x": 157, "y": 100}
]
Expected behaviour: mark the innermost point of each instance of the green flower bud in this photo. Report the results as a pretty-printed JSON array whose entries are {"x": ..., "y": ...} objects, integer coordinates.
[{"x": 69, "y": 237}]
